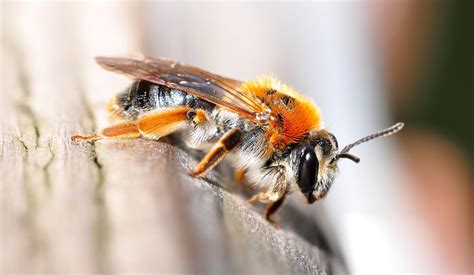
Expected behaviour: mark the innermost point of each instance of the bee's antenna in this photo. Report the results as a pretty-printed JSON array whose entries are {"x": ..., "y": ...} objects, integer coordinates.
[
  {"x": 387, "y": 132},
  {"x": 348, "y": 156}
]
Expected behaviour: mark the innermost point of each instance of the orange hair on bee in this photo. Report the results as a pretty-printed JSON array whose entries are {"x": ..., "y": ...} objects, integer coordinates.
[
  {"x": 299, "y": 115},
  {"x": 260, "y": 86},
  {"x": 298, "y": 122}
]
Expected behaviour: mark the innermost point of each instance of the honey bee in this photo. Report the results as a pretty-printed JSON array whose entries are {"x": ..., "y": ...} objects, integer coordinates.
[{"x": 270, "y": 132}]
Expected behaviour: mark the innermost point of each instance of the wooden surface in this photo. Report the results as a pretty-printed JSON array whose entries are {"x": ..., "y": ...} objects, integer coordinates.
[{"x": 118, "y": 206}]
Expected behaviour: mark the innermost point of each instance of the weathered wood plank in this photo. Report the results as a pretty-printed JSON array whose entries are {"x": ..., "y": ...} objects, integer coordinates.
[{"x": 115, "y": 206}]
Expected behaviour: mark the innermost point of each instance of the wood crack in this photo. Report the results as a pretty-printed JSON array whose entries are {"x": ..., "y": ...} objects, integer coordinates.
[
  {"x": 47, "y": 177},
  {"x": 100, "y": 172},
  {"x": 93, "y": 124}
]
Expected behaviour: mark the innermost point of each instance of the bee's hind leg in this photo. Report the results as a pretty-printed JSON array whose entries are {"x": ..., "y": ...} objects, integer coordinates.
[
  {"x": 151, "y": 125},
  {"x": 120, "y": 130},
  {"x": 162, "y": 122},
  {"x": 218, "y": 152}
]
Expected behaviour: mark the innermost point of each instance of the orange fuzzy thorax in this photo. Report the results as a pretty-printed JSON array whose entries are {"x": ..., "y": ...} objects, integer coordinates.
[{"x": 298, "y": 115}]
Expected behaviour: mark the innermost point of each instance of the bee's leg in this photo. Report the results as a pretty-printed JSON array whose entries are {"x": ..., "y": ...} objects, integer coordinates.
[
  {"x": 120, "y": 130},
  {"x": 274, "y": 199},
  {"x": 160, "y": 123},
  {"x": 267, "y": 196},
  {"x": 152, "y": 125},
  {"x": 218, "y": 152},
  {"x": 276, "y": 191},
  {"x": 239, "y": 176},
  {"x": 272, "y": 208},
  {"x": 274, "y": 196}
]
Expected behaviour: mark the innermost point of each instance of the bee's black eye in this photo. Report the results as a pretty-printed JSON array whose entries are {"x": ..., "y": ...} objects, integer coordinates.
[{"x": 308, "y": 172}]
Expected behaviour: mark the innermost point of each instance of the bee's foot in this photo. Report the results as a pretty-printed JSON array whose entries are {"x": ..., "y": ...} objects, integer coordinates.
[
  {"x": 274, "y": 223},
  {"x": 194, "y": 174},
  {"x": 92, "y": 137}
]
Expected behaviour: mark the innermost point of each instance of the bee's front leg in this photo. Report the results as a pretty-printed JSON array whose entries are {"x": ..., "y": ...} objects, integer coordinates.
[
  {"x": 272, "y": 208},
  {"x": 274, "y": 196}
]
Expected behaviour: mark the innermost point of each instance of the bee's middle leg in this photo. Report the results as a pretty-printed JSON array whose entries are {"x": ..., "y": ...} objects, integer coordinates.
[{"x": 218, "y": 152}]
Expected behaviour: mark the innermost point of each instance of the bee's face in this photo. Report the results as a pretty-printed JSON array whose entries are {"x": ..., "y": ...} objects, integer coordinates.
[
  {"x": 316, "y": 160},
  {"x": 316, "y": 170}
]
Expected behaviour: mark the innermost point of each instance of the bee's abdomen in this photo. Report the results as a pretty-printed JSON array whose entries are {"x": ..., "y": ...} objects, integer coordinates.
[{"x": 143, "y": 96}]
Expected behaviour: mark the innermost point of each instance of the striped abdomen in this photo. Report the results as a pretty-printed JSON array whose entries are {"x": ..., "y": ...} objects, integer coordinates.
[{"x": 143, "y": 96}]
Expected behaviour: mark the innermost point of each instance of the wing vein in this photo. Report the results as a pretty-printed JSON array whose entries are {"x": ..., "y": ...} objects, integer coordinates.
[{"x": 221, "y": 91}]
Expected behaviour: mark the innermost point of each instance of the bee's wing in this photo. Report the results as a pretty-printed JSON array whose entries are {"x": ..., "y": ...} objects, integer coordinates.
[{"x": 222, "y": 91}]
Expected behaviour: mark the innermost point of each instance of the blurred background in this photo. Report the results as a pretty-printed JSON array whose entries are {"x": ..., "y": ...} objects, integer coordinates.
[{"x": 407, "y": 207}]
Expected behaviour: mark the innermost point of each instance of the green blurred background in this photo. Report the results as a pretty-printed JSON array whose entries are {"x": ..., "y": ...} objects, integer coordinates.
[{"x": 444, "y": 82}]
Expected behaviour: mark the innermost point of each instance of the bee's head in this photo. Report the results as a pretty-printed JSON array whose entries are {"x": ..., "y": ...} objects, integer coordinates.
[{"x": 317, "y": 161}]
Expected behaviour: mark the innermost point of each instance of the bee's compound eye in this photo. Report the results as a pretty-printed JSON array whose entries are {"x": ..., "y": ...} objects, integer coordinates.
[{"x": 308, "y": 171}]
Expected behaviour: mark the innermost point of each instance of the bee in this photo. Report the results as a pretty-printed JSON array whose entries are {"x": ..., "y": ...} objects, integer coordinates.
[{"x": 268, "y": 130}]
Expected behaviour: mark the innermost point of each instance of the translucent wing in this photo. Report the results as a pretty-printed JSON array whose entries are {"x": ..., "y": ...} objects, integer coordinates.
[{"x": 222, "y": 91}]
